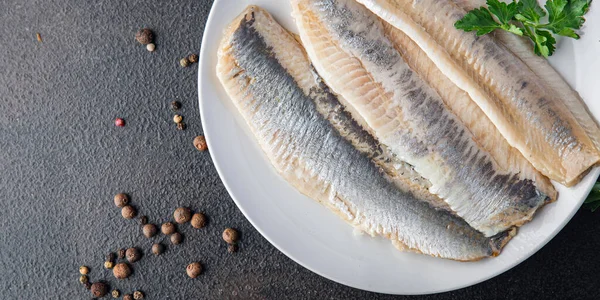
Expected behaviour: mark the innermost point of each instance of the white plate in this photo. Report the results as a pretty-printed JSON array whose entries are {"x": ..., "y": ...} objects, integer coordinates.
[{"x": 320, "y": 241}]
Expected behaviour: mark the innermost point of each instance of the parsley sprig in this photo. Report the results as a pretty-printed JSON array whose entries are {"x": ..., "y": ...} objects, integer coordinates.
[
  {"x": 593, "y": 200},
  {"x": 525, "y": 17}
]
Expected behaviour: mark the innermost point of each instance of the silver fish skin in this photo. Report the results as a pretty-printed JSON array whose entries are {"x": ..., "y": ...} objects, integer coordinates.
[
  {"x": 267, "y": 75},
  {"x": 553, "y": 130},
  {"x": 349, "y": 48}
]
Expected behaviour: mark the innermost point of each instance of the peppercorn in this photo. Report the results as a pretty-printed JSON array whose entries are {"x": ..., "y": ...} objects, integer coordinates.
[
  {"x": 122, "y": 253},
  {"x": 168, "y": 228},
  {"x": 198, "y": 220},
  {"x": 175, "y": 105},
  {"x": 99, "y": 289},
  {"x": 150, "y": 47},
  {"x": 84, "y": 270},
  {"x": 149, "y": 230},
  {"x": 128, "y": 297},
  {"x": 145, "y": 36},
  {"x": 137, "y": 295},
  {"x": 176, "y": 238},
  {"x": 232, "y": 248},
  {"x": 116, "y": 293},
  {"x": 181, "y": 126},
  {"x": 158, "y": 249},
  {"x": 128, "y": 212},
  {"x": 184, "y": 62},
  {"x": 133, "y": 255},
  {"x": 193, "y": 58},
  {"x": 88, "y": 285},
  {"x": 84, "y": 279},
  {"x": 200, "y": 143},
  {"x": 119, "y": 122},
  {"x": 230, "y": 235},
  {"x": 194, "y": 269},
  {"x": 109, "y": 264},
  {"x": 121, "y": 271},
  {"x": 182, "y": 215},
  {"x": 110, "y": 257},
  {"x": 143, "y": 220},
  {"x": 121, "y": 200},
  {"x": 177, "y": 119}
]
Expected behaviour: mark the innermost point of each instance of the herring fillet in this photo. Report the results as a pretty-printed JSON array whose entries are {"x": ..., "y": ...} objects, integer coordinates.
[
  {"x": 533, "y": 118},
  {"x": 349, "y": 48},
  {"x": 267, "y": 75}
]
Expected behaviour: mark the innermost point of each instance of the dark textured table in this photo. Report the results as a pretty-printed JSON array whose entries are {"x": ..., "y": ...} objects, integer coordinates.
[{"x": 62, "y": 160}]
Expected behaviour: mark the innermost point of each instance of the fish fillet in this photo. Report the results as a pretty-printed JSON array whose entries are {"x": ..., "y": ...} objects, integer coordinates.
[
  {"x": 533, "y": 118},
  {"x": 349, "y": 48},
  {"x": 268, "y": 77}
]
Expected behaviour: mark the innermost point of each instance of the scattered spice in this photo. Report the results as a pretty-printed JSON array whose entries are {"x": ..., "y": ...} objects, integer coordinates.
[
  {"x": 128, "y": 212},
  {"x": 158, "y": 249},
  {"x": 176, "y": 238},
  {"x": 137, "y": 295},
  {"x": 119, "y": 122},
  {"x": 230, "y": 235},
  {"x": 182, "y": 215},
  {"x": 84, "y": 279},
  {"x": 232, "y": 248},
  {"x": 84, "y": 270},
  {"x": 193, "y": 58},
  {"x": 198, "y": 220},
  {"x": 88, "y": 285},
  {"x": 122, "y": 253},
  {"x": 149, "y": 230},
  {"x": 177, "y": 119},
  {"x": 99, "y": 289},
  {"x": 133, "y": 255},
  {"x": 39, "y": 37},
  {"x": 111, "y": 257},
  {"x": 150, "y": 47},
  {"x": 109, "y": 264},
  {"x": 168, "y": 228},
  {"x": 121, "y": 271},
  {"x": 194, "y": 269},
  {"x": 181, "y": 126},
  {"x": 143, "y": 220},
  {"x": 144, "y": 36},
  {"x": 184, "y": 62},
  {"x": 121, "y": 200},
  {"x": 116, "y": 293},
  {"x": 200, "y": 143},
  {"x": 175, "y": 105},
  {"x": 128, "y": 297}
]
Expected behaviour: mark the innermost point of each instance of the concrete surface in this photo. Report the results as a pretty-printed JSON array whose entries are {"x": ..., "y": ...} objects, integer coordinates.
[{"x": 62, "y": 160}]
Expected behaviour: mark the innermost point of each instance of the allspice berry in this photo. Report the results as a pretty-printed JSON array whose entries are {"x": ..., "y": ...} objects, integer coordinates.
[
  {"x": 116, "y": 294},
  {"x": 133, "y": 255},
  {"x": 99, "y": 289},
  {"x": 158, "y": 249},
  {"x": 176, "y": 238},
  {"x": 121, "y": 271},
  {"x": 83, "y": 279},
  {"x": 168, "y": 228},
  {"x": 194, "y": 269},
  {"x": 122, "y": 253},
  {"x": 182, "y": 215},
  {"x": 121, "y": 200},
  {"x": 149, "y": 230},
  {"x": 84, "y": 270},
  {"x": 200, "y": 143},
  {"x": 128, "y": 212},
  {"x": 144, "y": 36},
  {"x": 230, "y": 235},
  {"x": 137, "y": 295},
  {"x": 128, "y": 297},
  {"x": 193, "y": 58},
  {"x": 232, "y": 248},
  {"x": 198, "y": 220}
]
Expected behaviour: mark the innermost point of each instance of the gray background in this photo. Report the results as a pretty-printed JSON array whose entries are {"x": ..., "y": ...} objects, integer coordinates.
[{"x": 62, "y": 160}]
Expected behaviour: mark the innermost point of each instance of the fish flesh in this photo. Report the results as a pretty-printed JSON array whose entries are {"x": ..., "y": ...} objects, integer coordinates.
[
  {"x": 552, "y": 130},
  {"x": 349, "y": 47},
  {"x": 268, "y": 77}
]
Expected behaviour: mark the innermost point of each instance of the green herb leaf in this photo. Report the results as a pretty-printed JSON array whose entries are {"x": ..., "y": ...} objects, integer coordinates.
[
  {"x": 544, "y": 42},
  {"x": 529, "y": 11},
  {"x": 565, "y": 16},
  {"x": 479, "y": 20},
  {"x": 504, "y": 12}
]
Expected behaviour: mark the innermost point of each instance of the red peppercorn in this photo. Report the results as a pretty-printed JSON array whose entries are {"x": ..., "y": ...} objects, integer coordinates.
[{"x": 119, "y": 122}]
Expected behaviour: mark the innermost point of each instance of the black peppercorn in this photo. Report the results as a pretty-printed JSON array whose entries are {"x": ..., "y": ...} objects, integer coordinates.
[
  {"x": 232, "y": 248},
  {"x": 143, "y": 220},
  {"x": 175, "y": 105},
  {"x": 181, "y": 126},
  {"x": 128, "y": 297},
  {"x": 121, "y": 253},
  {"x": 88, "y": 285},
  {"x": 111, "y": 256},
  {"x": 133, "y": 255},
  {"x": 145, "y": 36},
  {"x": 193, "y": 58}
]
